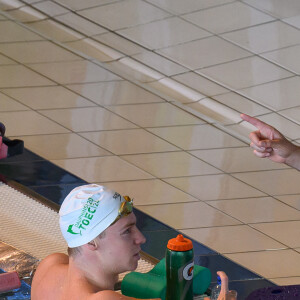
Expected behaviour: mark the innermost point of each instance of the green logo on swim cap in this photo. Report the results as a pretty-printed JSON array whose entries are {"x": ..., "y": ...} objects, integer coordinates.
[
  {"x": 85, "y": 217},
  {"x": 71, "y": 231}
]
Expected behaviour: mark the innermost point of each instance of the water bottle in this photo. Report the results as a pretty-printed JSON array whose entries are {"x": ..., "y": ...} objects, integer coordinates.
[
  {"x": 216, "y": 290},
  {"x": 180, "y": 269}
]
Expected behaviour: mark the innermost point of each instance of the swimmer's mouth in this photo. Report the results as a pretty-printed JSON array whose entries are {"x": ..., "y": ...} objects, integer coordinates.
[{"x": 137, "y": 255}]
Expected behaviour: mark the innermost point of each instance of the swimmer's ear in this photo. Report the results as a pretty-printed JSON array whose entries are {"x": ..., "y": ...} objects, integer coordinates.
[{"x": 92, "y": 245}]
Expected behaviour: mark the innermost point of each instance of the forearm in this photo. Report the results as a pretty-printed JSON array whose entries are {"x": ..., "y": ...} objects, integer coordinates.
[
  {"x": 294, "y": 158},
  {"x": 112, "y": 295}
]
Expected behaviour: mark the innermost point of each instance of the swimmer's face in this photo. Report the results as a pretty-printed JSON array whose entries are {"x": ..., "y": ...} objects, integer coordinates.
[{"x": 121, "y": 245}]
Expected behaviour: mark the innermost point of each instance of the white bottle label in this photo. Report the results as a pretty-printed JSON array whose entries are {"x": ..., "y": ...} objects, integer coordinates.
[{"x": 188, "y": 271}]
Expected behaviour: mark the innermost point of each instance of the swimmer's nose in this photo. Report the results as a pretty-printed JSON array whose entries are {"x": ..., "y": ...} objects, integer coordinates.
[{"x": 140, "y": 239}]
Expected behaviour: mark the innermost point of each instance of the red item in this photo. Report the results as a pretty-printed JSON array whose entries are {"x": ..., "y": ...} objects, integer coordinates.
[
  {"x": 9, "y": 281},
  {"x": 180, "y": 244},
  {"x": 3, "y": 149}
]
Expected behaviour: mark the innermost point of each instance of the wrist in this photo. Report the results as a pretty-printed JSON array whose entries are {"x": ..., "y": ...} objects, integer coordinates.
[{"x": 293, "y": 160}]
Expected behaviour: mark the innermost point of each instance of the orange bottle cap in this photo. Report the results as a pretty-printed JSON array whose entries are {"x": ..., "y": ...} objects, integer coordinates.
[{"x": 180, "y": 244}]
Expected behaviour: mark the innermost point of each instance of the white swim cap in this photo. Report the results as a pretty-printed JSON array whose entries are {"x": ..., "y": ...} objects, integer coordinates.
[{"x": 86, "y": 212}]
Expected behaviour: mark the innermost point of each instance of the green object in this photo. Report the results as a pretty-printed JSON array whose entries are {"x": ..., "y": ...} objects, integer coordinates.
[
  {"x": 173, "y": 278},
  {"x": 201, "y": 280},
  {"x": 144, "y": 285},
  {"x": 179, "y": 269},
  {"x": 154, "y": 283}
]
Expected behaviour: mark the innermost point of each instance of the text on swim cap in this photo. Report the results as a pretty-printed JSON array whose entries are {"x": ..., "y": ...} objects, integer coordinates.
[{"x": 85, "y": 217}]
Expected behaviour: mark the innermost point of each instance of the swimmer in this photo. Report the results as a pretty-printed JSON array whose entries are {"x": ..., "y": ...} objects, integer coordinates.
[{"x": 103, "y": 241}]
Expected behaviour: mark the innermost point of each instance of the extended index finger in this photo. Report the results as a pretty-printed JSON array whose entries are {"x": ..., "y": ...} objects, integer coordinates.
[{"x": 255, "y": 122}]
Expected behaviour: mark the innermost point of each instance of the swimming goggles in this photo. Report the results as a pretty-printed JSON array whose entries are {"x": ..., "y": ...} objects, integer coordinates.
[{"x": 125, "y": 209}]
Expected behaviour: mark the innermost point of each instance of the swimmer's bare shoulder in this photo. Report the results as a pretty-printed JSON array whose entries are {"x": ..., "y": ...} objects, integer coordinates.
[
  {"x": 49, "y": 274},
  {"x": 55, "y": 260}
]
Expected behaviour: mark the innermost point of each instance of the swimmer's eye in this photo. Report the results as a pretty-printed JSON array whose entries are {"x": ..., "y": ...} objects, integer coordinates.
[{"x": 127, "y": 231}]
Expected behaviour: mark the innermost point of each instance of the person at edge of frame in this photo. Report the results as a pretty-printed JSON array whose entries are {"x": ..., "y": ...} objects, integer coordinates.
[{"x": 268, "y": 142}]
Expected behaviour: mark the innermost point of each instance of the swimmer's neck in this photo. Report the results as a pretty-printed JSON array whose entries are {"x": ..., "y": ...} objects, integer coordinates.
[{"x": 92, "y": 274}]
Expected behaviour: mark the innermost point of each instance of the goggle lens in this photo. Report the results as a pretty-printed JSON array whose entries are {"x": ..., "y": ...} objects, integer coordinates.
[{"x": 125, "y": 209}]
